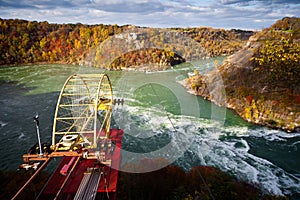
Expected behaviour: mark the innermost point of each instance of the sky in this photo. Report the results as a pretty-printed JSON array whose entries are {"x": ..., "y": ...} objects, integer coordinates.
[{"x": 227, "y": 14}]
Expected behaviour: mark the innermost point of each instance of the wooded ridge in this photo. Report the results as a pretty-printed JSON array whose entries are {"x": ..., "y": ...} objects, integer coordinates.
[{"x": 23, "y": 42}]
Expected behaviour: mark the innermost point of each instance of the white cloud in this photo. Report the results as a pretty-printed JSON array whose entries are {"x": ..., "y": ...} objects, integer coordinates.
[{"x": 245, "y": 14}]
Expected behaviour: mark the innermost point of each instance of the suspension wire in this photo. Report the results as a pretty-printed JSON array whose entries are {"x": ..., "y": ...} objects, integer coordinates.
[
  {"x": 166, "y": 113},
  {"x": 32, "y": 178},
  {"x": 42, "y": 167},
  {"x": 48, "y": 181},
  {"x": 203, "y": 180},
  {"x": 66, "y": 179},
  {"x": 106, "y": 182},
  {"x": 173, "y": 126},
  {"x": 191, "y": 159}
]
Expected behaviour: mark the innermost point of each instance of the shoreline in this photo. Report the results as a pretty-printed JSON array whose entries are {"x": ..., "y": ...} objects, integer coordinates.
[
  {"x": 229, "y": 104},
  {"x": 259, "y": 122}
]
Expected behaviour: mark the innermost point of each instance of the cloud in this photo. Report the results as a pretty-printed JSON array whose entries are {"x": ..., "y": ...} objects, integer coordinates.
[
  {"x": 285, "y": 1},
  {"x": 258, "y": 2},
  {"x": 37, "y": 4},
  {"x": 245, "y": 14},
  {"x": 13, "y": 4},
  {"x": 128, "y": 6},
  {"x": 228, "y": 2}
]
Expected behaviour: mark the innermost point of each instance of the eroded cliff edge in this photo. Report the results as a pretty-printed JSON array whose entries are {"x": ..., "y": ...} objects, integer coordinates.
[{"x": 261, "y": 82}]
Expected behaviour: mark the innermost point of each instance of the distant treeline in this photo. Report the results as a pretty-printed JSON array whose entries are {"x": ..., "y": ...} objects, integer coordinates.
[
  {"x": 23, "y": 42},
  {"x": 32, "y": 42}
]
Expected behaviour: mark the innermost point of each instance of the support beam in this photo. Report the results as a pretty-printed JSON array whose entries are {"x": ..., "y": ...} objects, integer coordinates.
[
  {"x": 31, "y": 178},
  {"x": 67, "y": 179}
]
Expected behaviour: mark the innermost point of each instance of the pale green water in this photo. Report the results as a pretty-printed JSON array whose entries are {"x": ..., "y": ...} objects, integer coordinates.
[{"x": 157, "y": 111}]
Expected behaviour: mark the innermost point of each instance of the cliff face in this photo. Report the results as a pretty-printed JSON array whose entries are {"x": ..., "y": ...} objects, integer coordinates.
[{"x": 261, "y": 82}]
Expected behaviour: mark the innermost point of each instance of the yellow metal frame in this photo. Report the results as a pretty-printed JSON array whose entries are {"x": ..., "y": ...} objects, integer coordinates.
[{"x": 84, "y": 108}]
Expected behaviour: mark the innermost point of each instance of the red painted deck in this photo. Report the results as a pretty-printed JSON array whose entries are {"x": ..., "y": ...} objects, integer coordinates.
[{"x": 108, "y": 184}]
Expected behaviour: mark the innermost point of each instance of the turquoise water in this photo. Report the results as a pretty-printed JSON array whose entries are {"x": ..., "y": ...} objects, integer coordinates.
[{"x": 159, "y": 118}]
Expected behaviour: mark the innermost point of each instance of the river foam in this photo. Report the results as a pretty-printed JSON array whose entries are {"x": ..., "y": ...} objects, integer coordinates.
[
  {"x": 265, "y": 157},
  {"x": 211, "y": 143}
]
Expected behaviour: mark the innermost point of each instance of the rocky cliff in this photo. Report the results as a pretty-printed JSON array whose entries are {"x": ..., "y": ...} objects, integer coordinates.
[{"x": 261, "y": 82}]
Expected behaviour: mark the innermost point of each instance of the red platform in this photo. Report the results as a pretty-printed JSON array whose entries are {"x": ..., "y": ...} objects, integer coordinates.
[{"x": 107, "y": 184}]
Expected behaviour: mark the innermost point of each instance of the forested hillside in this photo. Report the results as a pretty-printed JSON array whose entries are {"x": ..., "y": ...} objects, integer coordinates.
[
  {"x": 261, "y": 82},
  {"x": 23, "y": 42},
  {"x": 32, "y": 42}
]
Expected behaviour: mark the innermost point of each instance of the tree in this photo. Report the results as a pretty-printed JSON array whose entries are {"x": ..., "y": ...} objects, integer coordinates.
[
  {"x": 43, "y": 42},
  {"x": 280, "y": 58}
]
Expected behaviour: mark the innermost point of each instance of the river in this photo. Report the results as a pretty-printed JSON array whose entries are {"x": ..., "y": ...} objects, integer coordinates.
[{"x": 159, "y": 118}]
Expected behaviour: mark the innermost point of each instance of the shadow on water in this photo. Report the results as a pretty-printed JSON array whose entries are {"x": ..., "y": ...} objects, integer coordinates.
[
  {"x": 17, "y": 130},
  {"x": 231, "y": 147}
]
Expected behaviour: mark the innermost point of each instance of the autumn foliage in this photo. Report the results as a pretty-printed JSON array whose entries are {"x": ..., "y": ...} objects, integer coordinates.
[
  {"x": 278, "y": 58},
  {"x": 147, "y": 56},
  {"x": 23, "y": 42},
  {"x": 261, "y": 81}
]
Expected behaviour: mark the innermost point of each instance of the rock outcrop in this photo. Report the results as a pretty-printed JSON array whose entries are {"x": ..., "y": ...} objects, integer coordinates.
[{"x": 260, "y": 82}]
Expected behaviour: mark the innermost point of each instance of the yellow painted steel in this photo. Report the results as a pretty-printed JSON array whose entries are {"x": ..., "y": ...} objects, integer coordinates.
[{"x": 84, "y": 107}]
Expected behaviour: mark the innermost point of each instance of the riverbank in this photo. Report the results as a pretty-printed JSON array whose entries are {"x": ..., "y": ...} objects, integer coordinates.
[
  {"x": 249, "y": 111},
  {"x": 256, "y": 155},
  {"x": 261, "y": 81}
]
